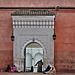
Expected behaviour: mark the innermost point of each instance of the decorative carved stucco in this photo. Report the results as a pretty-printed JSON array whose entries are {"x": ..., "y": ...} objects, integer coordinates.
[{"x": 24, "y": 36}]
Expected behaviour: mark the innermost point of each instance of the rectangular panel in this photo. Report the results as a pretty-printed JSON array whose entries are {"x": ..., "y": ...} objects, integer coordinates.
[
  {"x": 44, "y": 26},
  {"x": 17, "y": 27}
]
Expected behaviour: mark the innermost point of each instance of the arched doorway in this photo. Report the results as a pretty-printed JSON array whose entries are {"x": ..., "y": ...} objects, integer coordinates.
[
  {"x": 33, "y": 53},
  {"x": 27, "y": 29}
]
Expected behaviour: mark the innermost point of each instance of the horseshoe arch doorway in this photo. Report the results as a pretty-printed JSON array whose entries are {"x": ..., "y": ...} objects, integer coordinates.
[{"x": 33, "y": 52}]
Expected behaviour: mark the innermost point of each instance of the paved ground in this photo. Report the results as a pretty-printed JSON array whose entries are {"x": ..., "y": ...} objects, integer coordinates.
[{"x": 4, "y": 73}]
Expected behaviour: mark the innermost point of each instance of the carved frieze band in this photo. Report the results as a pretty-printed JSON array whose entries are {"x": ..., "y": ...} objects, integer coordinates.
[{"x": 33, "y": 24}]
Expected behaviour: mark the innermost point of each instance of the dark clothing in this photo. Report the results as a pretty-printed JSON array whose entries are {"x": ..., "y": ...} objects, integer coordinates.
[
  {"x": 8, "y": 68},
  {"x": 47, "y": 69},
  {"x": 40, "y": 63},
  {"x": 31, "y": 69}
]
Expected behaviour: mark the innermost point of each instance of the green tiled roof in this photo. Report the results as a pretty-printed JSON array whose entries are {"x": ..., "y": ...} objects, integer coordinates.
[{"x": 33, "y": 12}]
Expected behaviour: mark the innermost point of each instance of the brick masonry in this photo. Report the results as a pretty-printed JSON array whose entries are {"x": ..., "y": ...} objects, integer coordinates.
[
  {"x": 65, "y": 41},
  {"x": 36, "y": 3},
  {"x": 64, "y": 60},
  {"x": 64, "y": 45},
  {"x": 5, "y": 58}
]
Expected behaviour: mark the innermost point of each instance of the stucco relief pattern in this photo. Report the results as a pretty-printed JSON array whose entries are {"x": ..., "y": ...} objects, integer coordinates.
[{"x": 41, "y": 36}]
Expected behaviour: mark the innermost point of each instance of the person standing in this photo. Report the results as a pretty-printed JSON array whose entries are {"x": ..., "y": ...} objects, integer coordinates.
[{"x": 40, "y": 63}]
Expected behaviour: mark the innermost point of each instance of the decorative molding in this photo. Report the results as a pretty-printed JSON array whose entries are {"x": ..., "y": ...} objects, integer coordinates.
[
  {"x": 33, "y": 21},
  {"x": 33, "y": 24},
  {"x": 29, "y": 41},
  {"x": 42, "y": 34}
]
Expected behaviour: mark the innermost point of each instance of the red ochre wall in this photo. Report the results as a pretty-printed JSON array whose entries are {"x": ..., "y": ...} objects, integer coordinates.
[
  {"x": 6, "y": 45},
  {"x": 64, "y": 45},
  {"x": 37, "y": 3}
]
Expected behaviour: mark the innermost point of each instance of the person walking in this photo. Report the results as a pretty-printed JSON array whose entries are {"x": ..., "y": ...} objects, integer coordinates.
[{"x": 39, "y": 63}]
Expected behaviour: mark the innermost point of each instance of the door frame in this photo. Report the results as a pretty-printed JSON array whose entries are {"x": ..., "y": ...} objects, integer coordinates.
[{"x": 25, "y": 55}]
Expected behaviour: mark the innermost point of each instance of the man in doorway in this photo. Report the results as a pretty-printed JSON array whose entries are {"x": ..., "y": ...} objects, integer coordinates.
[{"x": 40, "y": 63}]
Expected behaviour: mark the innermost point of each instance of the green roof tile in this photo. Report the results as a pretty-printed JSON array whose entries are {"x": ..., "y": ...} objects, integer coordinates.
[{"x": 33, "y": 12}]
